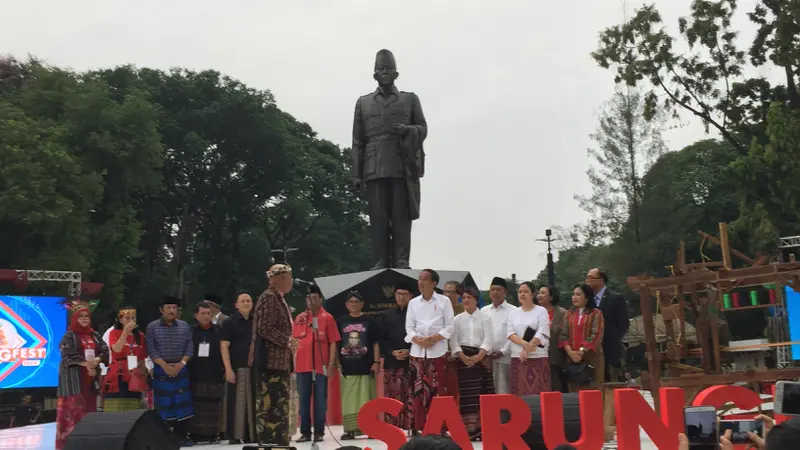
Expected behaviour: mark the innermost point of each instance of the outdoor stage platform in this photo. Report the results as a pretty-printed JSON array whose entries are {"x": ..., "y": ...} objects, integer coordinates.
[{"x": 43, "y": 437}]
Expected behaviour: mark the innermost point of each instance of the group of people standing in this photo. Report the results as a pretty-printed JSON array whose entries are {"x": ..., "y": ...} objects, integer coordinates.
[
  {"x": 184, "y": 372},
  {"x": 248, "y": 376},
  {"x": 445, "y": 345}
]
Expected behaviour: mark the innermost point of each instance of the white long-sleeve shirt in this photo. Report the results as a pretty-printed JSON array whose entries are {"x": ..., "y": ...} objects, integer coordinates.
[
  {"x": 537, "y": 319},
  {"x": 471, "y": 330},
  {"x": 499, "y": 318},
  {"x": 426, "y": 318}
]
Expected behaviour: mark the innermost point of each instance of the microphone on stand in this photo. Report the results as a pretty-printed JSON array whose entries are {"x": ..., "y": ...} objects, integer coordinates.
[{"x": 299, "y": 282}]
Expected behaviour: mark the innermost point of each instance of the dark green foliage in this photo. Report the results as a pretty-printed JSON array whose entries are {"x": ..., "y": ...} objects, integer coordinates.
[{"x": 151, "y": 182}]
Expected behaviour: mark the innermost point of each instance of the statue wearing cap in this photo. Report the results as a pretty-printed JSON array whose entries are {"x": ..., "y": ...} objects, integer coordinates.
[{"x": 388, "y": 161}]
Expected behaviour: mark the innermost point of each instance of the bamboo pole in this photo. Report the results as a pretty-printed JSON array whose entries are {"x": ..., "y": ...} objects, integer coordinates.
[{"x": 726, "y": 249}]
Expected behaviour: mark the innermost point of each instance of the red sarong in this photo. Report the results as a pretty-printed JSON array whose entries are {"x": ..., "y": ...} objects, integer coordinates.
[
  {"x": 429, "y": 375},
  {"x": 397, "y": 385}
]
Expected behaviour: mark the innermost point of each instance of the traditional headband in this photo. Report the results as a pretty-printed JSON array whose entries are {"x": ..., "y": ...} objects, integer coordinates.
[
  {"x": 279, "y": 269},
  {"x": 74, "y": 306},
  {"x": 123, "y": 312}
]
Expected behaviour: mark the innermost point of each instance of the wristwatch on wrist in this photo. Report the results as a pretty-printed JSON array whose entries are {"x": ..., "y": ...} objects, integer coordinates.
[
  {"x": 183, "y": 362},
  {"x": 582, "y": 349}
]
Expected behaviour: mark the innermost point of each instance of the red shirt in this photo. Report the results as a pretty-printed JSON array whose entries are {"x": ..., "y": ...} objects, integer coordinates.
[
  {"x": 327, "y": 333},
  {"x": 118, "y": 362}
]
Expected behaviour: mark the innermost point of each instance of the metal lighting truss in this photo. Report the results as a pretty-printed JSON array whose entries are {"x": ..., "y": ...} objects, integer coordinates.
[
  {"x": 789, "y": 242},
  {"x": 784, "y": 353},
  {"x": 73, "y": 278}
]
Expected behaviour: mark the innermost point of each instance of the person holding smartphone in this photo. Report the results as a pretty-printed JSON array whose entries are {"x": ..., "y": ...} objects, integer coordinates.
[{"x": 784, "y": 436}]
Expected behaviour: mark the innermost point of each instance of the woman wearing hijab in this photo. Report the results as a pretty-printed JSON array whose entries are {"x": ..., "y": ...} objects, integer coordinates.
[
  {"x": 82, "y": 350},
  {"x": 127, "y": 375},
  {"x": 529, "y": 338}
]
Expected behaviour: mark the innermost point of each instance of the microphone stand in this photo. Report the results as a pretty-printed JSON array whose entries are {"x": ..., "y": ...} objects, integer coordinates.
[{"x": 314, "y": 337}]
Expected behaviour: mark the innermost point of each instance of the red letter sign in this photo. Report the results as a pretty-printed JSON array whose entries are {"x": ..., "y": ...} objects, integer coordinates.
[
  {"x": 718, "y": 396},
  {"x": 633, "y": 411},
  {"x": 495, "y": 434},
  {"x": 592, "y": 431},
  {"x": 444, "y": 412},
  {"x": 371, "y": 425}
]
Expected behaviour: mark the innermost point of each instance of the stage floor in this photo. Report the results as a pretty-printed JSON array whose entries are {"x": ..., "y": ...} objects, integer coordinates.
[{"x": 43, "y": 437}]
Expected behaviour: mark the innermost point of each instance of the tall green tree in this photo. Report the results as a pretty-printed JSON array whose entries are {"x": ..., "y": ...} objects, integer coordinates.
[
  {"x": 626, "y": 144},
  {"x": 682, "y": 192},
  {"x": 113, "y": 143},
  {"x": 174, "y": 181},
  {"x": 757, "y": 117}
]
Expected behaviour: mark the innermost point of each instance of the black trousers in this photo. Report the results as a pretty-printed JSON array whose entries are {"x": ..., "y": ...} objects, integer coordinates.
[
  {"x": 389, "y": 220},
  {"x": 558, "y": 379}
]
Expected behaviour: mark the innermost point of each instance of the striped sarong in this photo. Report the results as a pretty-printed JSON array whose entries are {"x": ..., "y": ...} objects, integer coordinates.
[
  {"x": 473, "y": 382},
  {"x": 123, "y": 400},
  {"x": 240, "y": 410},
  {"x": 207, "y": 410},
  {"x": 357, "y": 390},
  {"x": 172, "y": 397}
]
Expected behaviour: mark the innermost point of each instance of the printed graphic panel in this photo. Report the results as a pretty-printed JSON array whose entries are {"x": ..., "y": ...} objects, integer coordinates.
[{"x": 31, "y": 329}]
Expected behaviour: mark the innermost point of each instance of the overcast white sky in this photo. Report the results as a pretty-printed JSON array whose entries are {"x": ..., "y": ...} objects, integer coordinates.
[{"x": 508, "y": 88}]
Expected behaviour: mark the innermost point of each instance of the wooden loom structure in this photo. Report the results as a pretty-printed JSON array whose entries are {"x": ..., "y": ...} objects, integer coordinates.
[{"x": 705, "y": 288}]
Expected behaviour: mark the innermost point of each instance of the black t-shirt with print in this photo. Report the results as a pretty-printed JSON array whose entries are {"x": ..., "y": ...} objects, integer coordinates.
[{"x": 359, "y": 335}]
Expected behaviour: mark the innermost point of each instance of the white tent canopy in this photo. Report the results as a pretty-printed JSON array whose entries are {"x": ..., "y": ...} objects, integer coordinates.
[{"x": 636, "y": 336}]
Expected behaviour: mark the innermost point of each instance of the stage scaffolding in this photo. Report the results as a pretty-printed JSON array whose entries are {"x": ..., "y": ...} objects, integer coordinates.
[{"x": 73, "y": 279}]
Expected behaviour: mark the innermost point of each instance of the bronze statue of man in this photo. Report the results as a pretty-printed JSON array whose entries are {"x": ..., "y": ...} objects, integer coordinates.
[{"x": 388, "y": 161}]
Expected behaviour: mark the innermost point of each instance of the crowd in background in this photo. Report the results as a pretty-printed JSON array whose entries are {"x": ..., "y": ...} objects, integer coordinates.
[{"x": 248, "y": 376}]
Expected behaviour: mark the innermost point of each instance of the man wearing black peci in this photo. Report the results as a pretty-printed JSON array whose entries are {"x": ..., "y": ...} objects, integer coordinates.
[{"x": 395, "y": 351}]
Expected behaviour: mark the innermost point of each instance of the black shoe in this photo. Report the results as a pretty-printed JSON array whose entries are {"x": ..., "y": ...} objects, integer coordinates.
[
  {"x": 319, "y": 437},
  {"x": 235, "y": 442},
  {"x": 304, "y": 438},
  {"x": 349, "y": 436}
]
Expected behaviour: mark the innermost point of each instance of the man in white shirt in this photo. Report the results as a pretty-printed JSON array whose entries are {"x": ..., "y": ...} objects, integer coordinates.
[
  {"x": 498, "y": 313},
  {"x": 429, "y": 323},
  {"x": 470, "y": 343}
]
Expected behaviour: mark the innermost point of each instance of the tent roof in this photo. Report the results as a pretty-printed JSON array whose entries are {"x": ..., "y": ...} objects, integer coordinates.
[
  {"x": 636, "y": 335},
  {"x": 336, "y": 284}
]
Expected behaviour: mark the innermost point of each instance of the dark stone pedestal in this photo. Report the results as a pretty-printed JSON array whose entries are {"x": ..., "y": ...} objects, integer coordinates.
[{"x": 377, "y": 287}]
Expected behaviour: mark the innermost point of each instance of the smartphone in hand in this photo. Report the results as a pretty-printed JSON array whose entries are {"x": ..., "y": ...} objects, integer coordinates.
[
  {"x": 740, "y": 428},
  {"x": 701, "y": 427}
]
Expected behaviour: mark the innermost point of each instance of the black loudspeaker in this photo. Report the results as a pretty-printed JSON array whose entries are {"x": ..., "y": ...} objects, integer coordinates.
[
  {"x": 572, "y": 420},
  {"x": 130, "y": 430}
]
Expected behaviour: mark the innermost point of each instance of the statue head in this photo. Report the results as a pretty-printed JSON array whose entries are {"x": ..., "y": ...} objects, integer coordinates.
[{"x": 385, "y": 68}]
